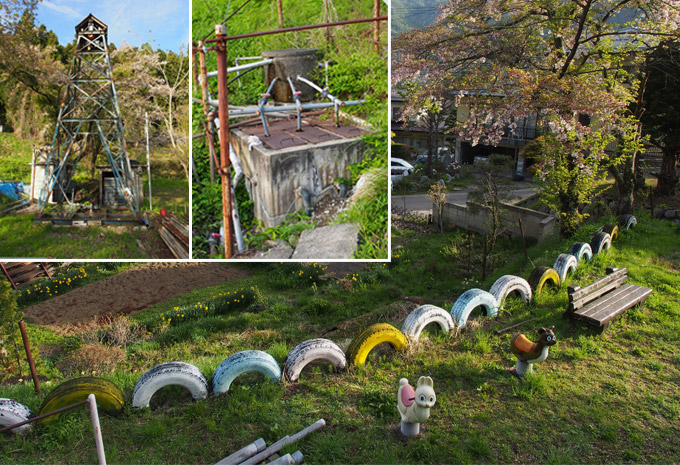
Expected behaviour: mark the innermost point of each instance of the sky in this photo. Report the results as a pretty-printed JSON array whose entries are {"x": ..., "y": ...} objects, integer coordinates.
[{"x": 165, "y": 24}]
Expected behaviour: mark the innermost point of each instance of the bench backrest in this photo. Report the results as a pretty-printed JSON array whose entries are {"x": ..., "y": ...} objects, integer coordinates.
[{"x": 581, "y": 296}]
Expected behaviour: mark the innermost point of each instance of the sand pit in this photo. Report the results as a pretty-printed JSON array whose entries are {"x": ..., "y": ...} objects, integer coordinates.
[{"x": 128, "y": 292}]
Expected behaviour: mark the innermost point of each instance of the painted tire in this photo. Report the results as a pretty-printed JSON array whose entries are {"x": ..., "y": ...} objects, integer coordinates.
[
  {"x": 370, "y": 337},
  {"x": 580, "y": 250},
  {"x": 109, "y": 396},
  {"x": 507, "y": 284},
  {"x": 565, "y": 264},
  {"x": 627, "y": 221},
  {"x": 12, "y": 412},
  {"x": 424, "y": 315},
  {"x": 169, "y": 374},
  {"x": 612, "y": 230},
  {"x": 243, "y": 362},
  {"x": 540, "y": 276},
  {"x": 471, "y": 299},
  {"x": 601, "y": 241},
  {"x": 311, "y": 350}
]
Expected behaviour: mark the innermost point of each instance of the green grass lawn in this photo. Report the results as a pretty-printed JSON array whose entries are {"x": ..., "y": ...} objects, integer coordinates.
[
  {"x": 24, "y": 238},
  {"x": 598, "y": 398}
]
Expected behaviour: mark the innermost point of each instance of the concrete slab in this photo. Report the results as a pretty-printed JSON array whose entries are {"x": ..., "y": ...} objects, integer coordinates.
[
  {"x": 282, "y": 251},
  {"x": 334, "y": 241}
]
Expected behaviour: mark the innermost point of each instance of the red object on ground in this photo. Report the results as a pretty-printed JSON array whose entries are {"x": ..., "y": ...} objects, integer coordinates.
[{"x": 163, "y": 212}]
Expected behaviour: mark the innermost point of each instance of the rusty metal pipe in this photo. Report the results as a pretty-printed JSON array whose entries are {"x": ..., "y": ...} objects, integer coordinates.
[
  {"x": 297, "y": 28},
  {"x": 27, "y": 346},
  {"x": 223, "y": 112},
  {"x": 45, "y": 415}
]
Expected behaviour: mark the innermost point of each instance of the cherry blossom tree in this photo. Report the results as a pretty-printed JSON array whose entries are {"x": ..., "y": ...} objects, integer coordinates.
[{"x": 571, "y": 62}]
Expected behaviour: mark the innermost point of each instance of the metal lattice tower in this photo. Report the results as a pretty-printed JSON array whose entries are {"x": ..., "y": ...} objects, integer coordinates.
[{"x": 89, "y": 109}]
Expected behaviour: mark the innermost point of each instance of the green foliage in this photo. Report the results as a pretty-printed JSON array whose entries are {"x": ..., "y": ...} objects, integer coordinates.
[
  {"x": 10, "y": 316},
  {"x": 287, "y": 231}
]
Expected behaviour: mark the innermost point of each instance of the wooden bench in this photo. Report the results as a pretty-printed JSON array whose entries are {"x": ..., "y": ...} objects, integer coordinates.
[{"x": 600, "y": 302}]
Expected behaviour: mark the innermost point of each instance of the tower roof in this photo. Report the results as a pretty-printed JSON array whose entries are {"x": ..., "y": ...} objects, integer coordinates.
[{"x": 91, "y": 20}]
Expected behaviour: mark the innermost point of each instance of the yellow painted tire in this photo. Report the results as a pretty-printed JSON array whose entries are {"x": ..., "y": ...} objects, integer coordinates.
[
  {"x": 109, "y": 396},
  {"x": 612, "y": 230},
  {"x": 540, "y": 276},
  {"x": 375, "y": 334}
]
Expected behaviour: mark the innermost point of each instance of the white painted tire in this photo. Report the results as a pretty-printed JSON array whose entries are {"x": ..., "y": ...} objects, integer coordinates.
[
  {"x": 12, "y": 412},
  {"x": 424, "y": 315},
  {"x": 169, "y": 374},
  {"x": 580, "y": 250},
  {"x": 565, "y": 264},
  {"x": 507, "y": 284},
  {"x": 243, "y": 362},
  {"x": 600, "y": 242},
  {"x": 311, "y": 350},
  {"x": 468, "y": 301},
  {"x": 627, "y": 221}
]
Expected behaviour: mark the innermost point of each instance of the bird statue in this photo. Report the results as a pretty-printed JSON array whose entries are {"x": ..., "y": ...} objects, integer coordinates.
[
  {"x": 414, "y": 404},
  {"x": 528, "y": 352}
]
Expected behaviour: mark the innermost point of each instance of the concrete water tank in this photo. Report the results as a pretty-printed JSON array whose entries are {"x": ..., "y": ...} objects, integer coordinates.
[{"x": 290, "y": 63}]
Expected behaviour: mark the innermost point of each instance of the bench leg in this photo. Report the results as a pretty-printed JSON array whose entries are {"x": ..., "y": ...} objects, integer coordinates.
[{"x": 604, "y": 327}]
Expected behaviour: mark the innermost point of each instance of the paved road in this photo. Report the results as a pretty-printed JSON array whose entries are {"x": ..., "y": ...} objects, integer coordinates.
[{"x": 520, "y": 190}]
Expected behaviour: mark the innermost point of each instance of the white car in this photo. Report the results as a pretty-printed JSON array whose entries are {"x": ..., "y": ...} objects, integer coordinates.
[{"x": 399, "y": 169}]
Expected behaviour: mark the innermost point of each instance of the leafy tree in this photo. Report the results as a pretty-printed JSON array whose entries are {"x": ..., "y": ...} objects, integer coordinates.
[{"x": 567, "y": 61}]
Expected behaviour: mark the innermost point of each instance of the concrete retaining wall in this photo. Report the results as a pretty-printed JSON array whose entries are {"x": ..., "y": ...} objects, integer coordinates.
[{"x": 535, "y": 224}]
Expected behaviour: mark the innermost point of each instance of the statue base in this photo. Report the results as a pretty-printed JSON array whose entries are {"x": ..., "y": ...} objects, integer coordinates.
[{"x": 410, "y": 429}]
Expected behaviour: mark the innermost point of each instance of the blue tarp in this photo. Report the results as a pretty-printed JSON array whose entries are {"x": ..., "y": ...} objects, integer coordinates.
[{"x": 13, "y": 190}]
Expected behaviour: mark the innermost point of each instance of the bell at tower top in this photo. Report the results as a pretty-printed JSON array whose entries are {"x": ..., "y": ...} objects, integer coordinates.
[{"x": 91, "y": 24}]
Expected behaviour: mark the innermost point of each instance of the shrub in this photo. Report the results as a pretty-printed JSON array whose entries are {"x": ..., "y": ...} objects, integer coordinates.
[{"x": 91, "y": 359}]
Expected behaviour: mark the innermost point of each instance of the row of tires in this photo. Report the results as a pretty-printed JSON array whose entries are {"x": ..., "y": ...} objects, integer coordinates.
[{"x": 111, "y": 400}]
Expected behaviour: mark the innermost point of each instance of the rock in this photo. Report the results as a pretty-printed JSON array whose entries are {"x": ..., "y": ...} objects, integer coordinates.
[
  {"x": 281, "y": 251},
  {"x": 670, "y": 214},
  {"x": 424, "y": 180},
  {"x": 334, "y": 241},
  {"x": 659, "y": 212}
]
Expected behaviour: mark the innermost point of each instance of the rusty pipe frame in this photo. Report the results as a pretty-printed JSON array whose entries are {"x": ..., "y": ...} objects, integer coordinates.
[
  {"x": 29, "y": 356},
  {"x": 298, "y": 103},
  {"x": 45, "y": 415},
  {"x": 225, "y": 137},
  {"x": 224, "y": 37}
]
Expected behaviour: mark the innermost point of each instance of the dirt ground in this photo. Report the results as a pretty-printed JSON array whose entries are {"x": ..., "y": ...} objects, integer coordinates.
[{"x": 128, "y": 292}]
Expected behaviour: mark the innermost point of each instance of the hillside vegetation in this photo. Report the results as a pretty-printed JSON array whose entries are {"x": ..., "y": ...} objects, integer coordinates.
[{"x": 598, "y": 398}]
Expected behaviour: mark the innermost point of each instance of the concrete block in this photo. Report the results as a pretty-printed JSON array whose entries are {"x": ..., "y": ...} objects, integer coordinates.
[
  {"x": 282, "y": 251},
  {"x": 334, "y": 241},
  {"x": 670, "y": 214}
]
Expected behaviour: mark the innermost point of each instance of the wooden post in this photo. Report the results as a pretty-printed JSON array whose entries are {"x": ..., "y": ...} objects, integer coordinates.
[
  {"x": 223, "y": 113},
  {"x": 204, "y": 96},
  {"x": 279, "y": 6},
  {"x": 376, "y": 25}
]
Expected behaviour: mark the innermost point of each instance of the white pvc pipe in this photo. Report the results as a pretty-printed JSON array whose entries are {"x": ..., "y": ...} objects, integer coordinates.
[
  {"x": 243, "y": 454},
  {"x": 235, "y": 69},
  {"x": 94, "y": 416}
]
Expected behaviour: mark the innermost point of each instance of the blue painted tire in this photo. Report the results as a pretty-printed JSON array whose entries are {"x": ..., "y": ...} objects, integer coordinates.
[
  {"x": 580, "y": 250},
  {"x": 243, "y": 362},
  {"x": 471, "y": 299},
  {"x": 311, "y": 350},
  {"x": 12, "y": 412},
  {"x": 169, "y": 374},
  {"x": 565, "y": 264},
  {"x": 600, "y": 242},
  {"x": 627, "y": 221},
  {"x": 507, "y": 284},
  {"x": 424, "y": 315}
]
